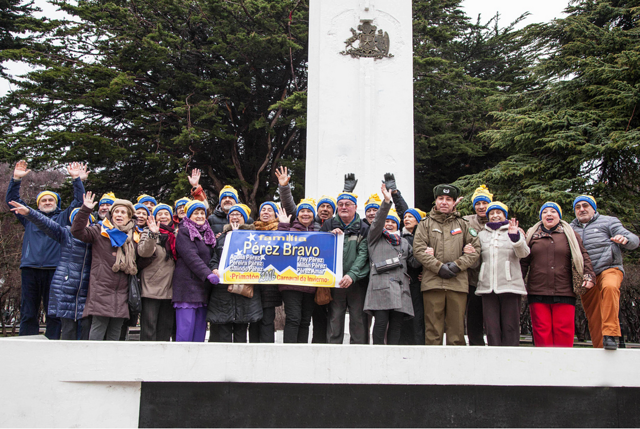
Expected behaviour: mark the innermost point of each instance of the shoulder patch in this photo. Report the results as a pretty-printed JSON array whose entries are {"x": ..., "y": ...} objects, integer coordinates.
[{"x": 473, "y": 232}]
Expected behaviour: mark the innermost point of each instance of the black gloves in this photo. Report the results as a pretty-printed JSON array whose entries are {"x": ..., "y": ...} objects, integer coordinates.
[
  {"x": 390, "y": 182},
  {"x": 350, "y": 182},
  {"x": 448, "y": 270}
]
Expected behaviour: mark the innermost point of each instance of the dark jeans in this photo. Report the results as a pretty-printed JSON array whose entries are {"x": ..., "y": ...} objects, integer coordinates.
[
  {"x": 474, "y": 318},
  {"x": 320, "y": 318},
  {"x": 264, "y": 330},
  {"x": 298, "y": 308},
  {"x": 233, "y": 332},
  {"x": 502, "y": 318},
  {"x": 353, "y": 299},
  {"x": 412, "y": 332},
  {"x": 71, "y": 329},
  {"x": 35, "y": 289},
  {"x": 387, "y": 319},
  {"x": 156, "y": 319}
]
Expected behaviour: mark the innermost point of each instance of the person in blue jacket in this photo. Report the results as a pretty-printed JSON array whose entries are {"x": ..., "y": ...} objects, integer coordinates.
[
  {"x": 41, "y": 254},
  {"x": 68, "y": 292}
]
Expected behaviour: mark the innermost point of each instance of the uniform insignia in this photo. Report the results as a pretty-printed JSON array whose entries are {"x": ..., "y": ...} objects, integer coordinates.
[
  {"x": 437, "y": 230},
  {"x": 473, "y": 232},
  {"x": 456, "y": 231},
  {"x": 446, "y": 191}
]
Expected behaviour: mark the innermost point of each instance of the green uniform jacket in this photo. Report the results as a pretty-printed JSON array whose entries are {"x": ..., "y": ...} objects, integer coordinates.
[
  {"x": 438, "y": 230},
  {"x": 355, "y": 254}
]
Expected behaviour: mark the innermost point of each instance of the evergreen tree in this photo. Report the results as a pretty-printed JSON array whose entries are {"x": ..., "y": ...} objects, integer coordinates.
[
  {"x": 458, "y": 66},
  {"x": 147, "y": 90},
  {"x": 579, "y": 131}
]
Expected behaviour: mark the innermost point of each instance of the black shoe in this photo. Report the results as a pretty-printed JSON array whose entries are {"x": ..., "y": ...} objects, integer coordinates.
[{"x": 609, "y": 343}]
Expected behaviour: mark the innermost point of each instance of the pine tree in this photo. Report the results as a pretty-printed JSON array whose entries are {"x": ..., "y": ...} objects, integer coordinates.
[
  {"x": 579, "y": 131},
  {"x": 147, "y": 90}
]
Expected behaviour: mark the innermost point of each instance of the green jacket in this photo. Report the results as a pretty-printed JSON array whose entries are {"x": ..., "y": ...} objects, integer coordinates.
[
  {"x": 355, "y": 254},
  {"x": 438, "y": 231}
]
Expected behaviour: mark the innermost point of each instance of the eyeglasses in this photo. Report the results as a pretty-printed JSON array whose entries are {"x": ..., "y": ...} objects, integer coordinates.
[{"x": 341, "y": 205}]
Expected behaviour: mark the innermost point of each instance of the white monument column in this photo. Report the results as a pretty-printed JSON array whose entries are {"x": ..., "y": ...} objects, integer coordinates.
[{"x": 360, "y": 97}]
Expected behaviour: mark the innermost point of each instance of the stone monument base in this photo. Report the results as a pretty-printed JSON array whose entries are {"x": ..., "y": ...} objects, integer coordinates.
[{"x": 126, "y": 384}]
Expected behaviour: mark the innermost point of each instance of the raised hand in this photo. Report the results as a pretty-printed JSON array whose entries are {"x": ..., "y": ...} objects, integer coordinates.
[
  {"x": 20, "y": 170},
  {"x": 88, "y": 200},
  {"x": 513, "y": 226},
  {"x": 390, "y": 182},
  {"x": 283, "y": 176},
  {"x": 152, "y": 225},
  {"x": 19, "y": 208},
  {"x": 457, "y": 201},
  {"x": 282, "y": 215},
  {"x": 386, "y": 193},
  {"x": 235, "y": 226},
  {"x": 84, "y": 171},
  {"x": 350, "y": 182},
  {"x": 74, "y": 170},
  {"x": 194, "y": 179}
]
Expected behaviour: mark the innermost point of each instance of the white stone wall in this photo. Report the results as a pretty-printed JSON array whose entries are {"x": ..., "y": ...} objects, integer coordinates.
[{"x": 360, "y": 110}]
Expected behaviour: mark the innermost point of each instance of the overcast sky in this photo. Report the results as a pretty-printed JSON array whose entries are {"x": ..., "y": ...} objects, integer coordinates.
[{"x": 541, "y": 11}]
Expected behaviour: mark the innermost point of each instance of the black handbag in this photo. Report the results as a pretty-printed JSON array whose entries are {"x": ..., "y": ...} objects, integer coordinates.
[
  {"x": 135, "y": 300},
  {"x": 388, "y": 264}
]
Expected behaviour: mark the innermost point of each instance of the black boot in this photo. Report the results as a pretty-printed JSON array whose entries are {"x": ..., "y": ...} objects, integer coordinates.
[{"x": 609, "y": 343}]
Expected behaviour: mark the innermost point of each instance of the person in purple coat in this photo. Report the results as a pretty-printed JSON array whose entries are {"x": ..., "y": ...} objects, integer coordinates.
[{"x": 192, "y": 277}]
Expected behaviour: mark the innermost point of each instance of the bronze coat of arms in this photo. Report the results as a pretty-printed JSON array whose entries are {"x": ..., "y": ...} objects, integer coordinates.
[{"x": 370, "y": 44}]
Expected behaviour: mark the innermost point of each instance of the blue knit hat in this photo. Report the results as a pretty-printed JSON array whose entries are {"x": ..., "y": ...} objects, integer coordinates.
[
  {"x": 327, "y": 200},
  {"x": 372, "y": 203},
  {"x": 588, "y": 198},
  {"x": 55, "y": 195},
  {"x": 142, "y": 206},
  {"x": 497, "y": 205},
  {"x": 228, "y": 191},
  {"x": 307, "y": 203},
  {"x": 107, "y": 198},
  {"x": 549, "y": 204},
  {"x": 159, "y": 207},
  {"x": 192, "y": 206},
  {"x": 393, "y": 215},
  {"x": 144, "y": 198},
  {"x": 181, "y": 202},
  {"x": 416, "y": 213},
  {"x": 348, "y": 196},
  {"x": 73, "y": 214},
  {"x": 243, "y": 209},
  {"x": 271, "y": 204}
]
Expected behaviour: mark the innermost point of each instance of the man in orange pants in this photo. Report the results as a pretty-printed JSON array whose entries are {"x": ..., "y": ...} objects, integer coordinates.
[{"x": 602, "y": 236}]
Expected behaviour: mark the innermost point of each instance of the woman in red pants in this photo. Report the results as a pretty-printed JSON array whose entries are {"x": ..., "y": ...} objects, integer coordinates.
[{"x": 557, "y": 257}]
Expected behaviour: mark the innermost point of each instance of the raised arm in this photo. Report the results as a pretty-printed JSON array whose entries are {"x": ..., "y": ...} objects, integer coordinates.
[
  {"x": 375, "y": 231},
  {"x": 79, "y": 228},
  {"x": 619, "y": 233},
  {"x": 286, "y": 199},
  {"x": 13, "y": 191}
]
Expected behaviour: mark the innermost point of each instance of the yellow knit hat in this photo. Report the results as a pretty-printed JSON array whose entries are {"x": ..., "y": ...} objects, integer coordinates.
[
  {"x": 373, "y": 202},
  {"x": 47, "y": 193},
  {"x": 107, "y": 198},
  {"x": 393, "y": 215},
  {"x": 228, "y": 191},
  {"x": 482, "y": 194}
]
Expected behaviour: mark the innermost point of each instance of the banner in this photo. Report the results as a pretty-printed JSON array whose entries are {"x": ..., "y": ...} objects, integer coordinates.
[{"x": 282, "y": 257}]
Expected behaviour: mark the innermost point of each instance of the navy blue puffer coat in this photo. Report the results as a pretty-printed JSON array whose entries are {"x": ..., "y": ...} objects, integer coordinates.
[{"x": 70, "y": 283}]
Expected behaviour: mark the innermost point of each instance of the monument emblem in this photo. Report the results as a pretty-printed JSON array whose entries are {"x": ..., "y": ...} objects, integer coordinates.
[{"x": 371, "y": 45}]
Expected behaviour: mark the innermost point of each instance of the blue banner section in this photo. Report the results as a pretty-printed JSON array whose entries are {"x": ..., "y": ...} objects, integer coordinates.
[{"x": 282, "y": 257}]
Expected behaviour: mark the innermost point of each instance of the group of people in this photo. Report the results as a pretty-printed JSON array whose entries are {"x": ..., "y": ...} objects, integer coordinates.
[{"x": 413, "y": 275}]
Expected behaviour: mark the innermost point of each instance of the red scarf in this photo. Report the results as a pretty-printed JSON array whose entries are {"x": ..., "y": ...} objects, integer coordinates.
[{"x": 170, "y": 244}]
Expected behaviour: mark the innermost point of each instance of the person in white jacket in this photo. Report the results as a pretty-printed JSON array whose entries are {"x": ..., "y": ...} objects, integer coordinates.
[{"x": 500, "y": 282}]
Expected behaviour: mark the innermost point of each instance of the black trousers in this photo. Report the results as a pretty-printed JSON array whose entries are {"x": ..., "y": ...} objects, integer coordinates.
[
  {"x": 298, "y": 308},
  {"x": 412, "y": 332},
  {"x": 156, "y": 319},
  {"x": 387, "y": 322},
  {"x": 72, "y": 329},
  {"x": 320, "y": 319},
  {"x": 474, "y": 318},
  {"x": 264, "y": 330},
  {"x": 233, "y": 332}
]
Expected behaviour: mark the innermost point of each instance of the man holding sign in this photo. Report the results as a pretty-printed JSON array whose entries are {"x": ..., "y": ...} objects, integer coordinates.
[{"x": 355, "y": 263}]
